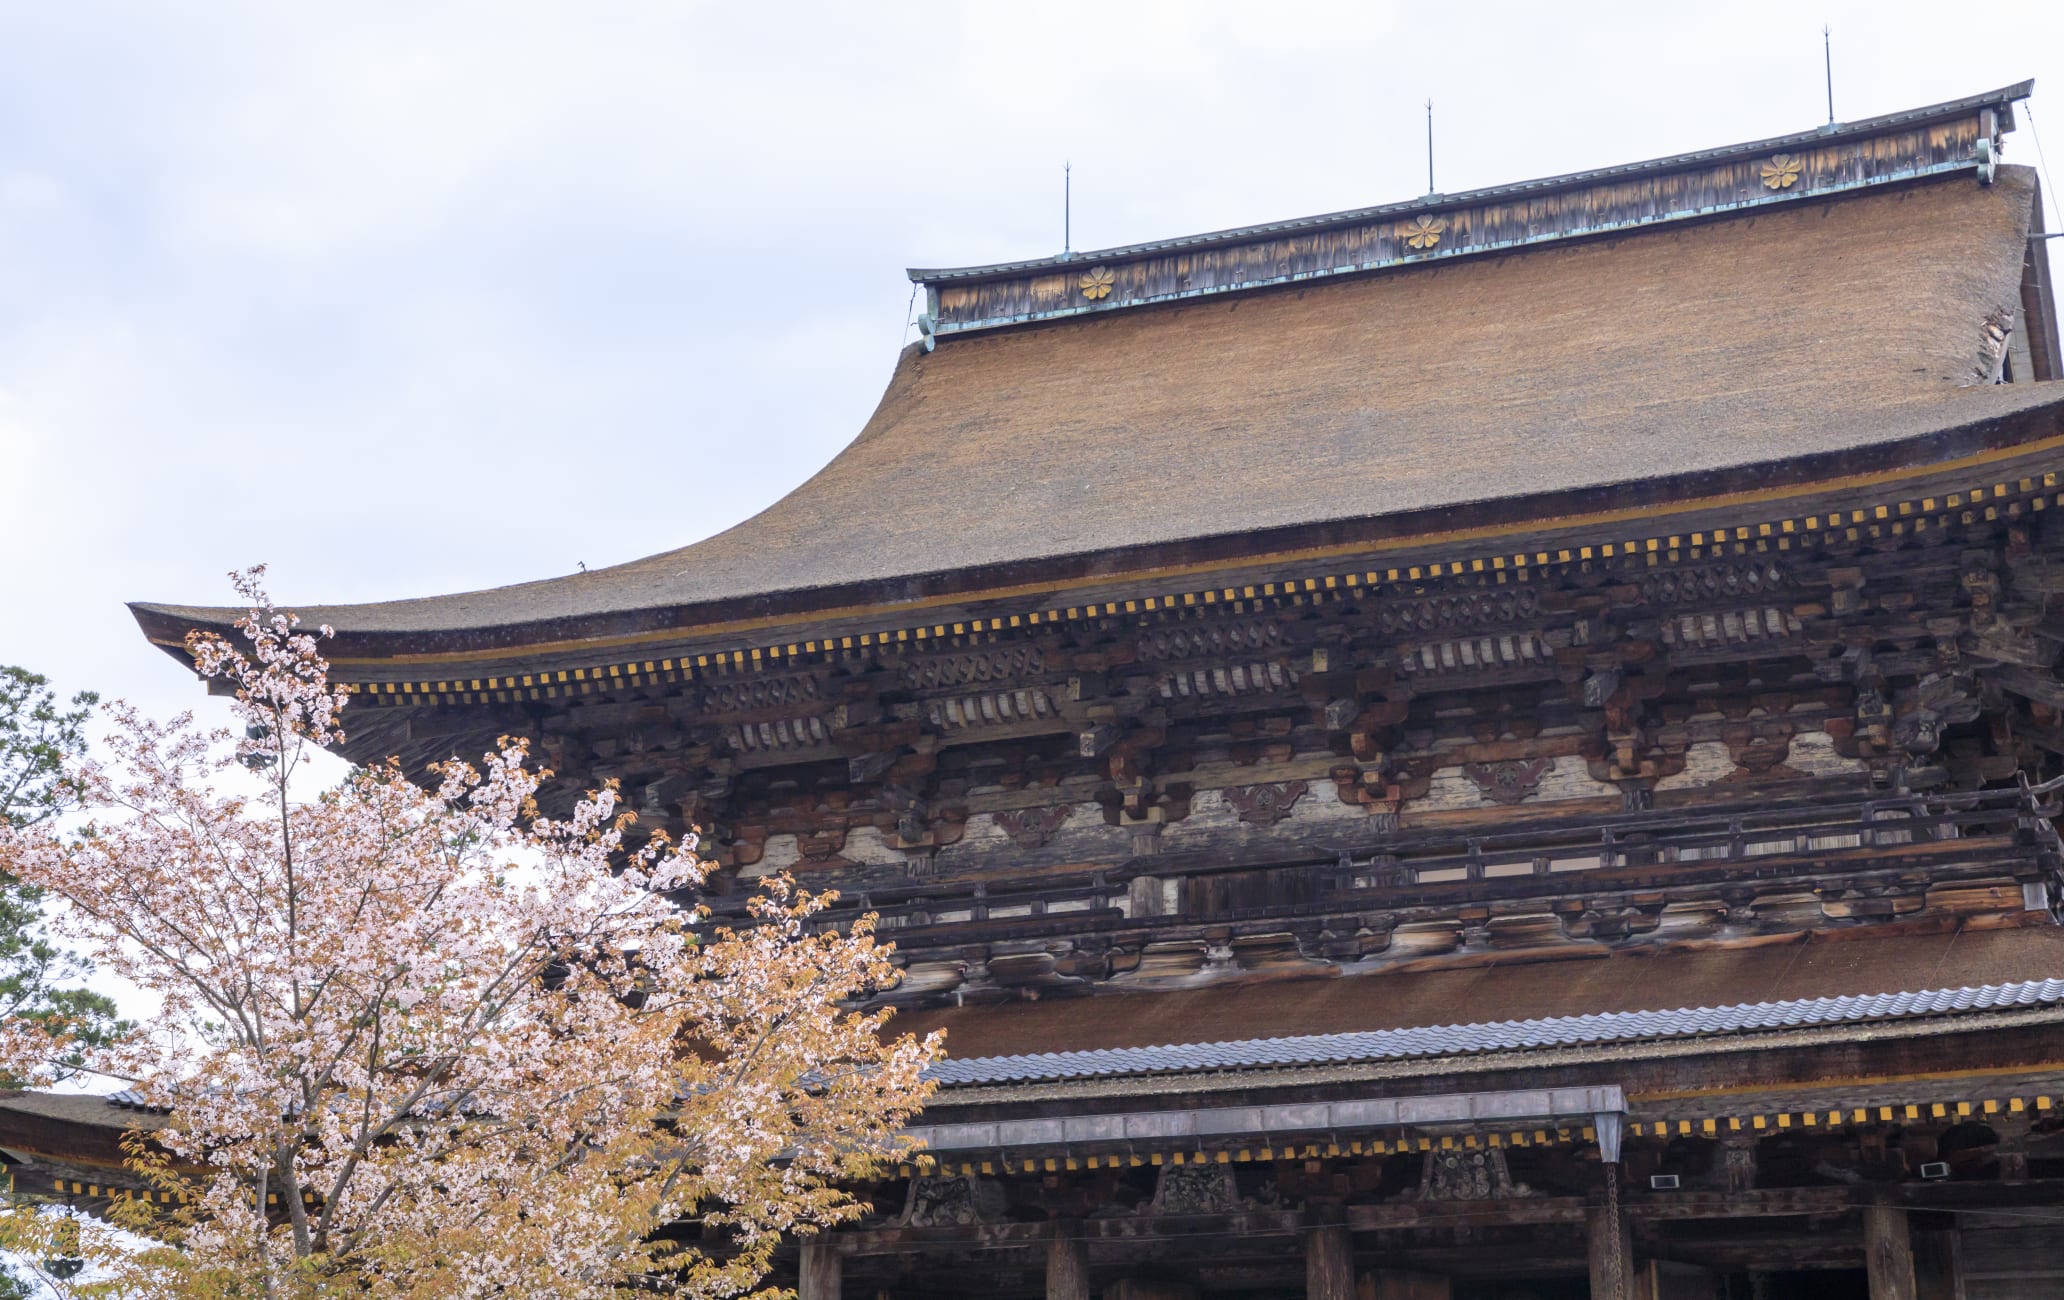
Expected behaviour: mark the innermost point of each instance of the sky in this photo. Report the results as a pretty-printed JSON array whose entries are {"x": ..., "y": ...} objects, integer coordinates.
[{"x": 408, "y": 299}]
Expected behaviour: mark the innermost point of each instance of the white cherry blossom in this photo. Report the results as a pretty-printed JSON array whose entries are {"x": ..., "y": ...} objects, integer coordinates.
[{"x": 424, "y": 1043}]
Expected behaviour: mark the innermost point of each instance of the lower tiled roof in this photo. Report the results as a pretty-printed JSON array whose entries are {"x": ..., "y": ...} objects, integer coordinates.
[{"x": 1494, "y": 1036}]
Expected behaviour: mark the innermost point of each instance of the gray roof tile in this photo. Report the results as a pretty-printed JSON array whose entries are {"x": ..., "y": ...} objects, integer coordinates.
[{"x": 1504, "y": 1035}]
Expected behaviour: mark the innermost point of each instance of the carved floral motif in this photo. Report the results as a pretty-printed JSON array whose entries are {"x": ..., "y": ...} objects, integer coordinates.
[
  {"x": 1510, "y": 782},
  {"x": 1096, "y": 283},
  {"x": 1468, "y": 1176},
  {"x": 1782, "y": 171},
  {"x": 1424, "y": 231},
  {"x": 1029, "y": 828},
  {"x": 1265, "y": 805}
]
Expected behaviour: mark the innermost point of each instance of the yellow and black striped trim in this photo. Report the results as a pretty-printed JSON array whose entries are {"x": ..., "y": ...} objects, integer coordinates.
[
  {"x": 1757, "y": 1123},
  {"x": 1773, "y": 1121},
  {"x": 1009, "y": 1163},
  {"x": 111, "y": 1192}
]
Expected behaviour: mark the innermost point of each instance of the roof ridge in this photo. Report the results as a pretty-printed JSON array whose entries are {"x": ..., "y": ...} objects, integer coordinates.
[{"x": 2003, "y": 96}]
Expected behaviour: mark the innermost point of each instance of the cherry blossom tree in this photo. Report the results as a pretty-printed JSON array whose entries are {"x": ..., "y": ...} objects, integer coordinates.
[{"x": 431, "y": 1043}]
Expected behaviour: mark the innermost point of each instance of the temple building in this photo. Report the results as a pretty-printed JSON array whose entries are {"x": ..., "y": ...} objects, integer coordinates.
[{"x": 1504, "y": 745}]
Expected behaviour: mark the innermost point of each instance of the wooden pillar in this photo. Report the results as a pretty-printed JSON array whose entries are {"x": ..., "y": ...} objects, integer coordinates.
[
  {"x": 1329, "y": 1263},
  {"x": 1938, "y": 1264},
  {"x": 1067, "y": 1267},
  {"x": 1395, "y": 1284},
  {"x": 1609, "y": 1245},
  {"x": 821, "y": 1271},
  {"x": 1664, "y": 1280},
  {"x": 1888, "y": 1253}
]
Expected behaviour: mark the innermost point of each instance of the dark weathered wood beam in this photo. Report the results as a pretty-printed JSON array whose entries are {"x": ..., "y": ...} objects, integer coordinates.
[
  {"x": 2029, "y": 683},
  {"x": 1653, "y": 1209}
]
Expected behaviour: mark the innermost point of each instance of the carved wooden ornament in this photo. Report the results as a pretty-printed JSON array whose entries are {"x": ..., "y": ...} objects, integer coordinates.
[
  {"x": 1468, "y": 1176},
  {"x": 1029, "y": 828},
  {"x": 1265, "y": 805},
  {"x": 1514, "y": 781},
  {"x": 1195, "y": 1189},
  {"x": 1096, "y": 282},
  {"x": 1781, "y": 172},
  {"x": 1424, "y": 231},
  {"x": 944, "y": 1202}
]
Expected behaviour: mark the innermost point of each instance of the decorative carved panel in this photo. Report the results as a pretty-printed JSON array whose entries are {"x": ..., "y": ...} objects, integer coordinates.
[
  {"x": 1209, "y": 640},
  {"x": 1510, "y": 782},
  {"x": 1782, "y": 171},
  {"x": 1196, "y": 1189},
  {"x": 1267, "y": 804},
  {"x": 1760, "y": 758},
  {"x": 1466, "y": 608},
  {"x": 758, "y": 693},
  {"x": 1674, "y": 586},
  {"x": 1423, "y": 231},
  {"x": 1465, "y": 1175},
  {"x": 951, "y": 1202},
  {"x": 1740, "y": 1160},
  {"x": 1029, "y": 828},
  {"x": 822, "y": 845},
  {"x": 970, "y": 669}
]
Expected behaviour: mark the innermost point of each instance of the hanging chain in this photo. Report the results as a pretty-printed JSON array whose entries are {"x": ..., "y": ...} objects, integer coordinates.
[{"x": 1615, "y": 1254}]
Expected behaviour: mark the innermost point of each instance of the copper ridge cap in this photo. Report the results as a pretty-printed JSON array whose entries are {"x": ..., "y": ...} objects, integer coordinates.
[{"x": 2004, "y": 97}]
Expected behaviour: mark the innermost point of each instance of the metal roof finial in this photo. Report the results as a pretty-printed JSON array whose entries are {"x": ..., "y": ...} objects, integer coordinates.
[
  {"x": 1827, "y": 58},
  {"x": 1430, "y": 191}
]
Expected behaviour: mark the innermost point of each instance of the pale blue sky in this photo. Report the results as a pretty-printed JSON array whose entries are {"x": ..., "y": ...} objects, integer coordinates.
[{"x": 405, "y": 299}]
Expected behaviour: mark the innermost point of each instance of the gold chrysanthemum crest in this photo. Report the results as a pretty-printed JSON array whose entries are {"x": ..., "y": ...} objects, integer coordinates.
[
  {"x": 1096, "y": 282},
  {"x": 1423, "y": 231},
  {"x": 1782, "y": 171}
]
